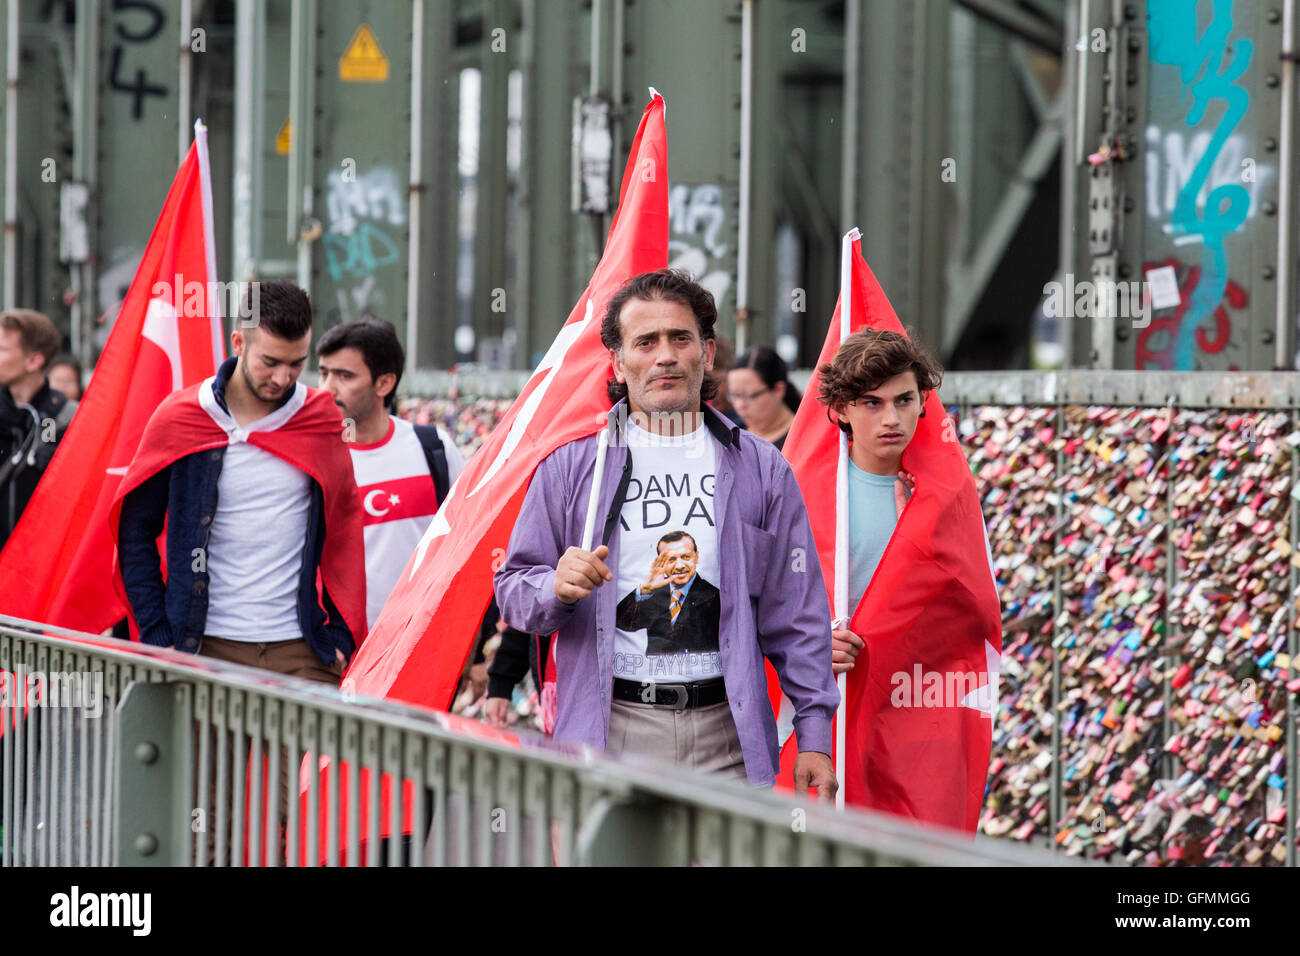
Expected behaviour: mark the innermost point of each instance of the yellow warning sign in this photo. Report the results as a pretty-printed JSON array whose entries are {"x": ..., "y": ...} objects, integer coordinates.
[
  {"x": 363, "y": 61},
  {"x": 282, "y": 138}
]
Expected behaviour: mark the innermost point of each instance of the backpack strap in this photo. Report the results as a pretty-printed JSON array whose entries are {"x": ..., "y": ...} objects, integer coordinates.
[
  {"x": 62, "y": 418},
  {"x": 435, "y": 455}
]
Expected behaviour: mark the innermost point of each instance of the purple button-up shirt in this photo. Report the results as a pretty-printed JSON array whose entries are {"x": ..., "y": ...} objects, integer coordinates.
[{"x": 773, "y": 595}]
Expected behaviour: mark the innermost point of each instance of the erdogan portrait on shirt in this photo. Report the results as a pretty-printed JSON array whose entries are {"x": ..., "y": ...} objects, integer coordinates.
[{"x": 678, "y": 608}]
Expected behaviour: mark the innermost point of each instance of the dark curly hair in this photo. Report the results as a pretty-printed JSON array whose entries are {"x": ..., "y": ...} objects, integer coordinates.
[
  {"x": 671, "y": 285},
  {"x": 867, "y": 359}
]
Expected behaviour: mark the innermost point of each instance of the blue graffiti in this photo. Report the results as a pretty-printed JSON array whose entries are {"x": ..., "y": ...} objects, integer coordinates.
[
  {"x": 359, "y": 253},
  {"x": 1172, "y": 25}
]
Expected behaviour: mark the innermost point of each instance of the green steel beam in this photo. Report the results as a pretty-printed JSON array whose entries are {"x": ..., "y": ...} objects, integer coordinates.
[
  {"x": 757, "y": 297},
  {"x": 435, "y": 300},
  {"x": 548, "y": 285},
  {"x": 246, "y": 213},
  {"x": 1073, "y": 204},
  {"x": 490, "y": 281},
  {"x": 154, "y": 747},
  {"x": 1015, "y": 20},
  {"x": 898, "y": 160},
  {"x": 9, "y": 150},
  {"x": 362, "y": 162},
  {"x": 288, "y": 46},
  {"x": 697, "y": 69},
  {"x": 86, "y": 169}
]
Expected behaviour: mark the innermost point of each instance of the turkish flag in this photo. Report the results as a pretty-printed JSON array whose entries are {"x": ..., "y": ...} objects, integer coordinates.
[
  {"x": 918, "y": 729},
  {"x": 416, "y": 649},
  {"x": 57, "y": 567}
]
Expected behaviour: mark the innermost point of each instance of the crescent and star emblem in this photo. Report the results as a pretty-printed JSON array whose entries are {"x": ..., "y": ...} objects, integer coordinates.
[{"x": 370, "y": 506}]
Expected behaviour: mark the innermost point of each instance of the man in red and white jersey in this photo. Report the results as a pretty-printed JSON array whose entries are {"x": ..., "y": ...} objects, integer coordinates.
[{"x": 403, "y": 471}]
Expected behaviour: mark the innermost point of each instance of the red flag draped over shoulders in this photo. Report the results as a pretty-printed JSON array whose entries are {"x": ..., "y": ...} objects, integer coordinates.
[
  {"x": 311, "y": 440},
  {"x": 919, "y": 715}
]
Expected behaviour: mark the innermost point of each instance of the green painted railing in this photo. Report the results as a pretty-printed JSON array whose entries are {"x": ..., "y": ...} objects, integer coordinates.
[{"x": 121, "y": 754}]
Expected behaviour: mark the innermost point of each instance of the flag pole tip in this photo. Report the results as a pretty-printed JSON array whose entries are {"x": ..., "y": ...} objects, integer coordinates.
[{"x": 853, "y": 235}]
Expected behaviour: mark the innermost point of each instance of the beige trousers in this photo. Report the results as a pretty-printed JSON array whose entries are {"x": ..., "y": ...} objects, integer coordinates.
[{"x": 702, "y": 738}]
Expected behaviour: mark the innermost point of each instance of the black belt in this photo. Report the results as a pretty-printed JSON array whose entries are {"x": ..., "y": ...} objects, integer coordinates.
[{"x": 702, "y": 693}]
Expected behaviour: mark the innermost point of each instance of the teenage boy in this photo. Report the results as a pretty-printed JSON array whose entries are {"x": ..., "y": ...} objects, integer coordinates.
[{"x": 875, "y": 386}]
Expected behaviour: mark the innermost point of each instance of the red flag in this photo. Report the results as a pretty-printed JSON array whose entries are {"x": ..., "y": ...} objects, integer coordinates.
[
  {"x": 919, "y": 716},
  {"x": 416, "y": 649},
  {"x": 58, "y": 565}
]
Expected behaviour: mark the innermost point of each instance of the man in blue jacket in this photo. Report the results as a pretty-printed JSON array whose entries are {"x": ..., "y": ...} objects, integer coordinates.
[{"x": 250, "y": 471}]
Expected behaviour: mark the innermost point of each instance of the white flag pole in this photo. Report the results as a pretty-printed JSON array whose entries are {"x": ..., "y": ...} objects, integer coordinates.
[
  {"x": 209, "y": 242},
  {"x": 841, "y": 608},
  {"x": 593, "y": 503},
  {"x": 593, "y": 506}
]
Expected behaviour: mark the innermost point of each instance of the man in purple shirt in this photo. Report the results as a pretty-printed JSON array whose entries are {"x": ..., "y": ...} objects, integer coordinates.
[{"x": 678, "y": 477}]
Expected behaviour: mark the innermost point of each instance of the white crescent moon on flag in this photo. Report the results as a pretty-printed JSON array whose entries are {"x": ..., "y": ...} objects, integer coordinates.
[{"x": 370, "y": 508}]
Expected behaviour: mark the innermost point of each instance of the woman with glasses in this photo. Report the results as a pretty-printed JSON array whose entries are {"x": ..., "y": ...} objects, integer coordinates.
[{"x": 762, "y": 393}]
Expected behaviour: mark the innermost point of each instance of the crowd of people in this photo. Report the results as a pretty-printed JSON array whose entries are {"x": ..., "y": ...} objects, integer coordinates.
[{"x": 663, "y": 622}]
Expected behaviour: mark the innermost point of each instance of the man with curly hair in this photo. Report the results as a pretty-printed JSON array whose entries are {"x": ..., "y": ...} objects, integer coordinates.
[{"x": 875, "y": 386}]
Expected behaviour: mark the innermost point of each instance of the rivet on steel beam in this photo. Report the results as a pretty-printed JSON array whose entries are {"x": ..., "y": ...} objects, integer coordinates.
[
  {"x": 1270, "y": 143},
  {"x": 1130, "y": 11},
  {"x": 146, "y": 752},
  {"x": 1267, "y": 337},
  {"x": 146, "y": 844},
  {"x": 1266, "y": 272},
  {"x": 1271, "y": 80},
  {"x": 1134, "y": 44},
  {"x": 1274, "y": 16},
  {"x": 1129, "y": 203},
  {"x": 1269, "y": 208}
]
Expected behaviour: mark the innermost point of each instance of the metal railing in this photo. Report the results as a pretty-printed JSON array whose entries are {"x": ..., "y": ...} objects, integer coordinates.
[{"x": 122, "y": 779}]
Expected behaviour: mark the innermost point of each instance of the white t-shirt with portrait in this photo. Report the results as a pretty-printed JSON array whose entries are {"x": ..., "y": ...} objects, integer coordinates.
[{"x": 668, "y": 575}]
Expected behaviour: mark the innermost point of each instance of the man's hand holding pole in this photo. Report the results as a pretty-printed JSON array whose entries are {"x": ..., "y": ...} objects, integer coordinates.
[{"x": 580, "y": 572}]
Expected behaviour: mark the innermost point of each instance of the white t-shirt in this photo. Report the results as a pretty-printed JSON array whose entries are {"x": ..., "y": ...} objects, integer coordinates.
[
  {"x": 259, "y": 532},
  {"x": 669, "y": 601},
  {"x": 398, "y": 498}
]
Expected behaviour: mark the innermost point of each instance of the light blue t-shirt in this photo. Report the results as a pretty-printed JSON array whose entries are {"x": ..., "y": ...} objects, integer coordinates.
[{"x": 872, "y": 516}]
